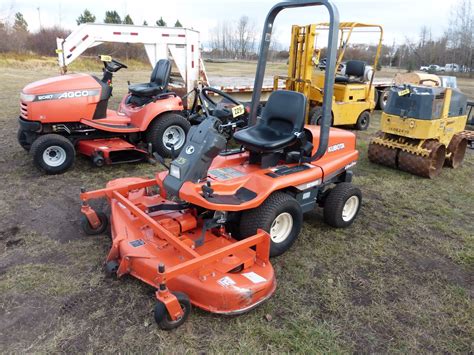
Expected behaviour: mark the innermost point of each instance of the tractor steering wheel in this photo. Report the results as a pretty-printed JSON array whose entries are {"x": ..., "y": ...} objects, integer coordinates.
[
  {"x": 222, "y": 109},
  {"x": 114, "y": 66}
]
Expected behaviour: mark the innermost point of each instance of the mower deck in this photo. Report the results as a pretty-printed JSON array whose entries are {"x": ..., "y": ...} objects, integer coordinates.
[
  {"x": 111, "y": 151},
  {"x": 218, "y": 273}
]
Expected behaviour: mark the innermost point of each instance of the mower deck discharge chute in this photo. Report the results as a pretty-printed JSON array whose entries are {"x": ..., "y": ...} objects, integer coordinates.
[{"x": 202, "y": 231}]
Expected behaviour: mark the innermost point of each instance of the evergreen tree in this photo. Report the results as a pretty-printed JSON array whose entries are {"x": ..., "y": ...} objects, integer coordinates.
[
  {"x": 178, "y": 24},
  {"x": 112, "y": 17},
  {"x": 161, "y": 22},
  {"x": 20, "y": 23},
  {"x": 145, "y": 23},
  {"x": 128, "y": 20},
  {"x": 85, "y": 17}
]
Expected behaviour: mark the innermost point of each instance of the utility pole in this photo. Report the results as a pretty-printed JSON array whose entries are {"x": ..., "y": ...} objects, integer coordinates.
[{"x": 39, "y": 17}]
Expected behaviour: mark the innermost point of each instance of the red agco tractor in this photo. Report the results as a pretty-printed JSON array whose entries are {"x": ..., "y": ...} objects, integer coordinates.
[{"x": 69, "y": 113}]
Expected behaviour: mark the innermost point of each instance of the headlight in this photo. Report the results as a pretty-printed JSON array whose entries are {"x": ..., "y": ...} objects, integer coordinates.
[
  {"x": 26, "y": 97},
  {"x": 175, "y": 171}
]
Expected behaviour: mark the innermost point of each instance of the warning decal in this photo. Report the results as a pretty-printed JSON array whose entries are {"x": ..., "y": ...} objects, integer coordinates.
[{"x": 255, "y": 278}]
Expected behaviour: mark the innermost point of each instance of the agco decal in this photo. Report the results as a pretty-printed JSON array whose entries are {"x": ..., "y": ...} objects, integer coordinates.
[
  {"x": 336, "y": 147},
  {"x": 66, "y": 95}
]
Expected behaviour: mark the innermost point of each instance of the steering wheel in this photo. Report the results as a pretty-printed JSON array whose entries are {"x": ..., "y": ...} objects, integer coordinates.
[
  {"x": 219, "y": 109},
  {"x": 114, "y": 66}
]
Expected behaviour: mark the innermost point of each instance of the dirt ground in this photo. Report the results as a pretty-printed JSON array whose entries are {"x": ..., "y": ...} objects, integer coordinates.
[{"x": 398, "y": 280}]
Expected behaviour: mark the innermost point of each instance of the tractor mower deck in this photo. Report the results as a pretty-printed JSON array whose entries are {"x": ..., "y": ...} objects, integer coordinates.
[{"x": 166, "y": 245}]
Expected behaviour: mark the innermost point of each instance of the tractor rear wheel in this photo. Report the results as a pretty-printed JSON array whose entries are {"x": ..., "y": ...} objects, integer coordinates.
[
  {"x": 280, "y": 215},
  {"x": 53, "y": 153},
  {"x": 342, "y": 205},
  {"x": 162, "y": 317},
  {"x": 426, "y": 166},
  {"x": 457, "y": 149},
  {"x": 169, "y": 128}
]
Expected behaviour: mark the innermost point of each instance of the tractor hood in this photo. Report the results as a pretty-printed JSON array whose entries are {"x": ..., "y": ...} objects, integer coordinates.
[{"x": 69, "y": 84}]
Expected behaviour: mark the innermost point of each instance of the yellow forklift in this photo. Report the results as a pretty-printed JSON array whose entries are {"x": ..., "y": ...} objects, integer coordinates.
[{"x": 354, "y": 92}]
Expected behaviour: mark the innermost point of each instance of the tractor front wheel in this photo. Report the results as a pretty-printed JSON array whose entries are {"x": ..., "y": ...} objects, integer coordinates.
[
  {"x": 280, "y": 215},
  {"x": 166, "y": 130},
  {"x": 22, "y": 137},
  {"x": 53, "y": 154},
  {"x": 342, "y": 205},
  {"x": 163, "y": 318}
]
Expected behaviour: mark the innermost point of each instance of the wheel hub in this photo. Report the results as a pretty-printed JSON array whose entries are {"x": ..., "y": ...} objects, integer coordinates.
[
  {"x": 54, "y": 156},
  {"x": 350, "y": 208},
  {"x": 281, "y": 227},
  {"x": 174, "y": 135}
]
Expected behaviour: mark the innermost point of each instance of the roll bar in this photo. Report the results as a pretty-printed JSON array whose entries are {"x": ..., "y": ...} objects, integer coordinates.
[{"x": 330, "y": 66}]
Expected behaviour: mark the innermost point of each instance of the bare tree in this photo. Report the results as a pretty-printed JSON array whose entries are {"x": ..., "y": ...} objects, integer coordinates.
[{"x": 245, "y": 36}]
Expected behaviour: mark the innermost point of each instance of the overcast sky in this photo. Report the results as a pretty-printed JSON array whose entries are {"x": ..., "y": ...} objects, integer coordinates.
[{"x": 400, "y": 18}]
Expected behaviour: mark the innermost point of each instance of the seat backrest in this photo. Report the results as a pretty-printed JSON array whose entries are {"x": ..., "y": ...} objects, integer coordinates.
[
  {"x": 285, "y": 110},
  {"x": 161, "y": 73},
  {"x": 355, "y": 68}
]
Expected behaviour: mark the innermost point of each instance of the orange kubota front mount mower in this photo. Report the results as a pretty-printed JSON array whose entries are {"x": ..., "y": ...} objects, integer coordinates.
[{"x": 202, "y": 231}]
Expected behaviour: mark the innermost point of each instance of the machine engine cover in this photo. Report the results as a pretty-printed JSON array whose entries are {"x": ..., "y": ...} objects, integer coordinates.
[{"x": 424, "y": 103}]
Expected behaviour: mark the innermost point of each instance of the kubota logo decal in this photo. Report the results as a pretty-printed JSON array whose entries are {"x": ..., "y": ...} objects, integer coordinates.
[
  {"x": 66, "y": 95},
  {"x": 336, "y": 147}
]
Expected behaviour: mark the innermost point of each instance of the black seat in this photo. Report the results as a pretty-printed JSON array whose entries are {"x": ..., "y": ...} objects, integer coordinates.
[
  {"x": 355, "y": 70},
  {"x": 160, "y": 77},
  {"x": 281, "y": 123}
]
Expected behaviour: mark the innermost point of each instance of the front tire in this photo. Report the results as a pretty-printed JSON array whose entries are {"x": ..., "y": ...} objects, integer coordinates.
[
  {"x": 169, "y": 128},
  {"x": 22, "y": 137},
  {"x": 53, "y": 154},
  {"x": 342, "y": 205},
  {"x": 280, "y": 215}
]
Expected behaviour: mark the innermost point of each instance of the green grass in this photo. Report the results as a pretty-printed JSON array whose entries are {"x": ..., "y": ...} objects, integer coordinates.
[{"x": 398, "y": 280}]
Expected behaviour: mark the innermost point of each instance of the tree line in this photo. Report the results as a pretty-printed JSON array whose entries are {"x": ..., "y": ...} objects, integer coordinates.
[
  {"x": 239, "y": 40},
  {"x": 16, "y": 37}
]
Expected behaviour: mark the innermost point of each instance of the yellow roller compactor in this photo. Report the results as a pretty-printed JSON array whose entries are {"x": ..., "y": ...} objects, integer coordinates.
[{"x": 422, "y": 129}]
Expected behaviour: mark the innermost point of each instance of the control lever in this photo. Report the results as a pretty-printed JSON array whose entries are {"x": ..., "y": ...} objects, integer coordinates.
[
  {"x": 207, "y": 190},
  {"x": 160, "y": 159},
  {"x": 173, "y": 152}
]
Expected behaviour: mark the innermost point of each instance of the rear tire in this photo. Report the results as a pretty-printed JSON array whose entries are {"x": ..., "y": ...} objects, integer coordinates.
[
  {"x": 53, "y": 154},
  {"x": 280, "y": 215},
  {"x": 342, "y": 205},
  {"x": 363, "y": 121},
  {"x": 174, "y": 126}
]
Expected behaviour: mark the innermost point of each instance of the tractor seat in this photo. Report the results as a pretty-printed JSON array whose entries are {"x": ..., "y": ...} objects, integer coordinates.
[
  {"x": 355, "y": 71},
  {"x": 160, "y": 77},
  {"x": 280, "y": 125}
]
